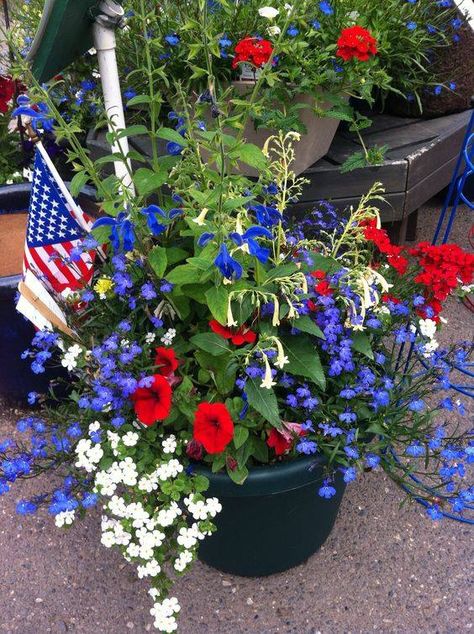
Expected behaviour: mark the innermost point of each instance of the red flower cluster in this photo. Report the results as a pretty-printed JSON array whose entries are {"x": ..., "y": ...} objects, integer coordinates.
[
  {"x": 253, "y": 51},
  {"x": 442, "y": 269},
  {"x": 356, "y": 42},
  {"x": 153, "y": 403},
  {"x": 380, "y": 238},
  {"x": 238, "y": 336},
  {"x": 213, "y": 427},
  {"x": 7, "y": 90},
  {"x": 166, "y": 361}
]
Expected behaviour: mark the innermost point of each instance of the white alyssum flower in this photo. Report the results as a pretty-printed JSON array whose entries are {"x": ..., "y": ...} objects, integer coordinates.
[
  {"x": 65, "y": 518},
  {"x": 268, "y": 12},
  {"x": 150, "y": 337},
  {"x": 168, "y": 337},
  {"x": 169, "y": 444}
]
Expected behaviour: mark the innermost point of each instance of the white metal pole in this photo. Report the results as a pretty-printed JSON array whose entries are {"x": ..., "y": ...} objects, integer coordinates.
[{"x": 105, "y": 43}]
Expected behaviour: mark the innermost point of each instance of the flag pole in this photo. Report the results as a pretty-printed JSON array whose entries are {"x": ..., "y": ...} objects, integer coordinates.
[
  {"x": 110, "y": 17},
  {"x": 76, "y": 212}
]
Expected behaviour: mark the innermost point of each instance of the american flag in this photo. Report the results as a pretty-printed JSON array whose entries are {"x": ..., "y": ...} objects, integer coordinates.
[{"x": 53, "y": 231}]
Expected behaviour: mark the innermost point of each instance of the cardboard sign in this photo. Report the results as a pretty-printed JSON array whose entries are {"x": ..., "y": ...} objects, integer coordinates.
[{"x": 39, "y": 306}]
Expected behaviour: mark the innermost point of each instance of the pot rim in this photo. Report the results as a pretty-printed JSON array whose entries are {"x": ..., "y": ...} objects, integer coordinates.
[{"x": 272, "y": 479}]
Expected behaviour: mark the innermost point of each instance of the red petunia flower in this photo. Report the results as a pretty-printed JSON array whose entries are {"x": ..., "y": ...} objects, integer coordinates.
[
  {"x": 238, "y": 336},
  {"x": 356, "y": 42},
  {"x": 213, "y": 427},
  {"x": 252, "y": 51},
  {"x": 166, "y": 361},
  {"x": 153, "y": 403},
  {"x": 7, "y": 90},
  {"x": 281, "y": 440}
]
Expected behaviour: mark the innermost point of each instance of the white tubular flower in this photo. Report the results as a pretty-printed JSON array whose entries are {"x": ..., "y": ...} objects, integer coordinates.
[
  {"x": 276, "y": 312},
  {"x": 268, "y": 12},
  {"x": 201, "y": 219},
  {"x": 230, "y": 317},
  {"x": 282, "y": 359},
  {"x": 268, "y": 381}
]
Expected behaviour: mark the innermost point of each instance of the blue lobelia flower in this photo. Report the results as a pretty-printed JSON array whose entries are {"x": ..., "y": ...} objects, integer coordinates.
[
  {"x": 327, "y": 491},
  {"x": 151, "y": 212},
  {"x": 326, "y": 7},
  {"x": 121, "y": 234},
  {"x": 226, "y": 264}
]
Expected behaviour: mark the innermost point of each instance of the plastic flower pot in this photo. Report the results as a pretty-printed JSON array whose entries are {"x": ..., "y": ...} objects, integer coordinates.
[
  {"x": 16, "y": 377},
  {"x": 272, "y": 522},
  {"x": 311, "y": 147}
]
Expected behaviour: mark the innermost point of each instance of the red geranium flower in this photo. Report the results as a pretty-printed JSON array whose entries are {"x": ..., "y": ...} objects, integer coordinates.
[
  {"x": 238, "y": 336},
  {"x": 213, "y": 426},
  {"x": 166, "y": 361},
  {"x": 153, "y": 403},
  {"x": 7, "y": 90},
  {"x": 356, "y": 42},
  {"x": 253, "y": 51}
]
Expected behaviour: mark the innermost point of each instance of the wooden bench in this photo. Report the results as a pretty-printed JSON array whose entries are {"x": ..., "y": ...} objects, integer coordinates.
[{"x": 418, "y": 165}]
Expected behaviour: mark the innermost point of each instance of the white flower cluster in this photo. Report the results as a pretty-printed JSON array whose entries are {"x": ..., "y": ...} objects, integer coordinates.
[
  {"x": 169, "y": 444},
  {"x": 167, "y": 516},
  {"x": 168, "y": 337},
  {"x": 150, "y": 337},
  {"x": 69, "y": 359},
  {"x": 164, "y": 614},
  {"x": 89, "y": 454},
  {"x": 183, "y": 560},
  {"x": 65, "y": 518},
  {"x": 123, "y": 472},
  {"x": 188, "y": 537},
  {"x": 203, "y": 509},
  {"x": 163, "y": 472},
  {"x": 427, "y": 328}
]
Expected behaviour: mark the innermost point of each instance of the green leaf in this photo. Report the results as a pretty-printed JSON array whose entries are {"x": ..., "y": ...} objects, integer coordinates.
[
  {"x": 77, "y": 183},
  {"x": 263, "y": 401},
  {"x": 217, "y": 298},
  {"x": 306, "y": 324},
  {"x": 175, "y": 255},
  {"x": 148, "y": 181},
  {"x": 252, "y": 155},
  {"x": 138, "y": 99},
  {"x": 158, "y": 260},
  {"x": 210, "y": 342},
  {"x": 361, "y": 343},
  {"x": 284, "y": 270},
  {"x": 303, "y": 359},
  {"x": 238, "y": 475},
  {"x": 184, "y": 274},
  {"x": 353, "y": 162},
  {"x": 168, "y": 134},
  {"x": 240, "y": 435},
  {"x": 259, "y": 449}
]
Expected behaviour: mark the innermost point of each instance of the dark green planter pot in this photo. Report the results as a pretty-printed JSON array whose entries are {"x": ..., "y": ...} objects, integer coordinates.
[{"x": 274, "y": 521}]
